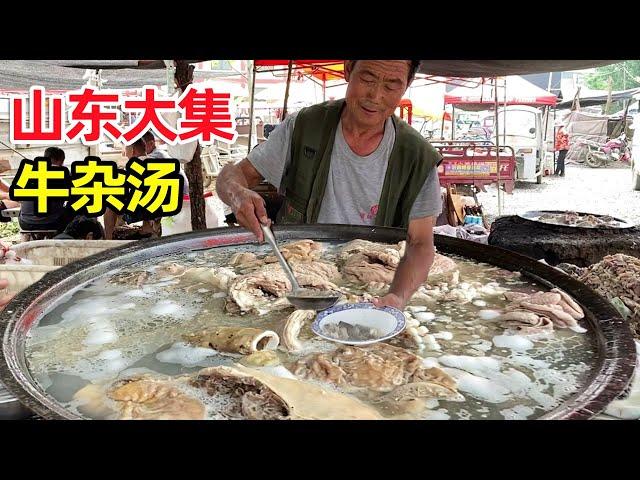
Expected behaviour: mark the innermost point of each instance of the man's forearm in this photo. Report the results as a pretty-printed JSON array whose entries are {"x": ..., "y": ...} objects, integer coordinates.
[{"x": 412, "y": 270}]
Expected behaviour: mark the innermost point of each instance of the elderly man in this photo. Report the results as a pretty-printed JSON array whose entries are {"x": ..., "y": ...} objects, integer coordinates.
[{"x": 349, "y": 161}]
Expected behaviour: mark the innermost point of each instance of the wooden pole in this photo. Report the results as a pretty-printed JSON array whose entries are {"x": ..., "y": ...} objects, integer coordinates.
[
  {"x": 575, "y": 104},
  {"x": 608, "y": 105},
  {"x": 622, "y": 125},
  {"x": 286, "y": 91},
  {"x": 193, "y": 169}
]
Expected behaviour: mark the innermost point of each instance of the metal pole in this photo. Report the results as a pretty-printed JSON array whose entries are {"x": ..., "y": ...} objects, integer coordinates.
[
  {"x": 546, "y": 127},
  {"x": 495, "y": 107},
  {"x": 444, "y": 111},
  {"x": 504, "y": 123},
  {"x": 453, "y": 123},
  {"x": 554, "y": 139},
  {"x": 252, "y": 79},
  {"x": 286, "y": 91},
  {"x": 544, "y": 138},
  {"x": 324, "y": 87}
]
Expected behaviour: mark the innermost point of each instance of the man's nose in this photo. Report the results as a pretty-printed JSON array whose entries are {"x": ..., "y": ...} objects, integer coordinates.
[{"x": 374, "y": 92}]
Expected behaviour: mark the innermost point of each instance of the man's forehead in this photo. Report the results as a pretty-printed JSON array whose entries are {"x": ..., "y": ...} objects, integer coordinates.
[{"x": 385, "y": 67}]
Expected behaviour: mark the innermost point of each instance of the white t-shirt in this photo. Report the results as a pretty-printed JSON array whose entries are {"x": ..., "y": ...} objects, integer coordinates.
[{"x": 354, "y": 184}]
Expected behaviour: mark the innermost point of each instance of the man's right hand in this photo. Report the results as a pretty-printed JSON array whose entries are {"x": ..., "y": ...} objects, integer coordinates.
[
  {"x": 234, "y": 189},
  {"x": 249, "y": 209}
]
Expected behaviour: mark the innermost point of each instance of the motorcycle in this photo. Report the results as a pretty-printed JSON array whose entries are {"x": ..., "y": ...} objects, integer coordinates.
[{"x": 615, "y": 150}]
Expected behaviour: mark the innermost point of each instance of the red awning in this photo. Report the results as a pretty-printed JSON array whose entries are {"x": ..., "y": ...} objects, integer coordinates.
[
  {"x": 518, "y": 92},
  {"x": 321, "y": 69}
]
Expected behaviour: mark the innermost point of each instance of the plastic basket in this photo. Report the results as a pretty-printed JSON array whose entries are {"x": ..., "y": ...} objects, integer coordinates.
[
  {"x": 62, "y": 252},
  {"x": 21, "y": 276}
]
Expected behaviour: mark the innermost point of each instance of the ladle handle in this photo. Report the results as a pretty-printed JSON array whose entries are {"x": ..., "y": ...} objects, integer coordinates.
[{"x": 268, "y": 234}]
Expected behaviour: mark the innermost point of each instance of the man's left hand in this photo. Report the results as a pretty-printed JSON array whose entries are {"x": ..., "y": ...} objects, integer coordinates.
[
  {"x": 5, "y": 299},
  {"x": 389, "y": 300}
]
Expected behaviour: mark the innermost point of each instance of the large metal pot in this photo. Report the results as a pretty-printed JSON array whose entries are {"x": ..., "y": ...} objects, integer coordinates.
[
  {"x": 616, "y": 356},
  {"x": 532, "y": 217},
  {"x": 10, "y": 406}
]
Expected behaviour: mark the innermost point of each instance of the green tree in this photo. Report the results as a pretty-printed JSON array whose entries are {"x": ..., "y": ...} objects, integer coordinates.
[{"x": 623, "y": 75}]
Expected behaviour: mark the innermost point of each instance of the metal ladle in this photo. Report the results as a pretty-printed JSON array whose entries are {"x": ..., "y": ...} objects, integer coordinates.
[{"x": 304, "y": 302}]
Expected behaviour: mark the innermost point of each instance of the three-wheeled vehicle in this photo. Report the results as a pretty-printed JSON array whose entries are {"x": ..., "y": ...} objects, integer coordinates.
[{"x": 522, "y": 128}]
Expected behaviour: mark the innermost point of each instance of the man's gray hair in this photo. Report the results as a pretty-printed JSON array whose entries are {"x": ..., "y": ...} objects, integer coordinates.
[{"x": 413, "y": 68}]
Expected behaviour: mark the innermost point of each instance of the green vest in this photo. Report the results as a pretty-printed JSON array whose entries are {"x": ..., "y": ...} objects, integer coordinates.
[{"x": 304, "y": 181}]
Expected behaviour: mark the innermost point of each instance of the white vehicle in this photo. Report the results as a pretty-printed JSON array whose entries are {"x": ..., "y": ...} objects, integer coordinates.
[
  {"x": 635, "y": 153},
  {"x": 524, "y": 133}
]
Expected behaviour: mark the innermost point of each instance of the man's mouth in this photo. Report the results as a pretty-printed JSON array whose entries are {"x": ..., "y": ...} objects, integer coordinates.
[{"x": 368, "y": 110}]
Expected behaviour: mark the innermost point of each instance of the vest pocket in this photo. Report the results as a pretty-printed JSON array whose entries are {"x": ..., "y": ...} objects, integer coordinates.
[{"x": 292, "y": 213}]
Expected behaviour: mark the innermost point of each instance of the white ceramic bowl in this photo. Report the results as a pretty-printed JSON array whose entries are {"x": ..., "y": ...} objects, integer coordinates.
[{"x": 388, "y": 321}]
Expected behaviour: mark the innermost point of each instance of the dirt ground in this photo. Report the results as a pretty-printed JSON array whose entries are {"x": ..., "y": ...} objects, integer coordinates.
[{"x": 605, "y": 191}]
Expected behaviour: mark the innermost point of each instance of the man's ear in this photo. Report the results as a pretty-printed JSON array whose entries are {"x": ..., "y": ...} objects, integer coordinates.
[{"x": 348, "y": 68}]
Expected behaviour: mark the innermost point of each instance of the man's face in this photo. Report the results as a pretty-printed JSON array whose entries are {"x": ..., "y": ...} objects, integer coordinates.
[
  {"x": 149, "y": 146},
  {"x": 375, "y": 89},
  {"x": 128, "y": 151}
]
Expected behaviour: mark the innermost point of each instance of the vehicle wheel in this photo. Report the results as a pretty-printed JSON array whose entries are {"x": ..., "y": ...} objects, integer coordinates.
[
  {"x": 635, "y": 179},
  {"x": 592, "y": 160}
]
